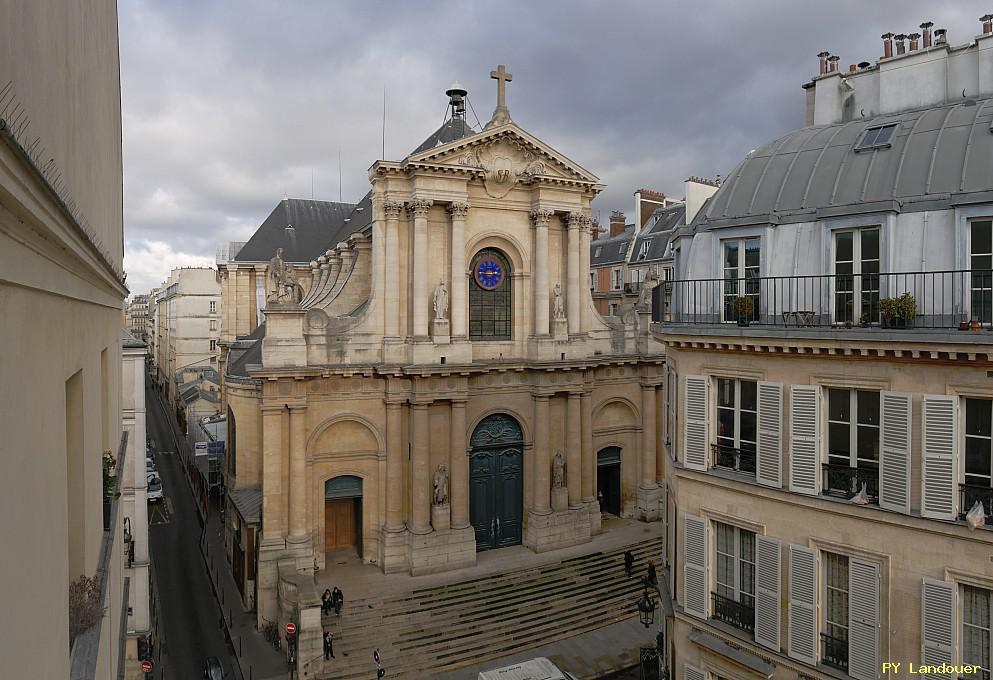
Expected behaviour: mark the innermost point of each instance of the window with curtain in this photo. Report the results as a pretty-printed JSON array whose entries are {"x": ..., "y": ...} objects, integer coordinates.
[
  {"x": 835, "y": 610},
  {"x": 735, "y": 601},
  {"x": 976, "y": 631},
  {"x": 853, "y": 442}
]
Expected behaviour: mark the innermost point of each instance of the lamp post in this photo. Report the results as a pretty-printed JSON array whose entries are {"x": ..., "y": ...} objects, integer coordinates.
[{"x": 646, "y": 606}]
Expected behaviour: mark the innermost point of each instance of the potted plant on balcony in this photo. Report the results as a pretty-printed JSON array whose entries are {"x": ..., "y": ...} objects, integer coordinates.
[
  {"x": 742, "y": 308},
  {"x": 898, "y": 312}
]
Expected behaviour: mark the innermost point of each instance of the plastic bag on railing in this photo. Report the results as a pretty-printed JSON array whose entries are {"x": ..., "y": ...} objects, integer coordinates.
[
  {"x": 862, "y": 497},
  {"x": 976, "y": 517}
]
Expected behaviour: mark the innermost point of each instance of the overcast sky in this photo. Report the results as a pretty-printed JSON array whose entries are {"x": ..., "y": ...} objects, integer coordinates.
[{"x": 230, "y": 105}]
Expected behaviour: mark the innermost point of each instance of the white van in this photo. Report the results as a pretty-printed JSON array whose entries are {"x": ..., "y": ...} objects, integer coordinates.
[{"x": 535, "y": 669}]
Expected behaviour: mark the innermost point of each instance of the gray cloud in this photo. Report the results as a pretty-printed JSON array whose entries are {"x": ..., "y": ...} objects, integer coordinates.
[{"x": 229, "y": 105}]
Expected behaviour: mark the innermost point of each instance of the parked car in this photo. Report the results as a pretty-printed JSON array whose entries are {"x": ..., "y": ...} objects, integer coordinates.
[
  {"x": 154, "y": 491},
  {"x": 212, "y": 669}
]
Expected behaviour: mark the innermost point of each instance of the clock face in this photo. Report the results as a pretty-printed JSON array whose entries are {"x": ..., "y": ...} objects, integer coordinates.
[{"x": 488, "y": 274}]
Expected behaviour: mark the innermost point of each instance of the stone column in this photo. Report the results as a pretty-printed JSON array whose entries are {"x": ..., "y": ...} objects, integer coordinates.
[
  {"x": 572, "y": 274},
  {"x": 542, "y": 490},
  {"x": 540, "y": 268},
  {"x": 586, "y": 437},
  {"x": 298, "y": 475},
  {"x": 419, "y": 208},
  {"x": 648, "y": 436},
  {"x": 392, "y": 279},
  {"x": 574, "y": 465},
  {"x": 584, "y": 272},
  {"x": 273, "y": 517},
  {"x": 460, "y": 284},
  {"x": 420, "y": 474},
  {"x": 394, "y": 466},
  {"x": 458, "y": 479}
]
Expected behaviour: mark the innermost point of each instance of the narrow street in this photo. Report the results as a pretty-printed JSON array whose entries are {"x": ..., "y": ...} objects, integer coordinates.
[{"x": 189, "y": 613}]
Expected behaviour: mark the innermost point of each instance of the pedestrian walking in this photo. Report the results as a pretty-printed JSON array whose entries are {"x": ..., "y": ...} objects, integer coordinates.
[
  {"x": 628, "y": 562},
  {"x": 326, "y": 602},
  {"x": 328, "y": 646},
  {"x": 652, "y": 577},
  {"x": 337, "y": 600}
]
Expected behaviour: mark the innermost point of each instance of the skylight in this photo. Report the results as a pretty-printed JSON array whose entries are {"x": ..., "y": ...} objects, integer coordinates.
[{"x": 877, "y": 136}]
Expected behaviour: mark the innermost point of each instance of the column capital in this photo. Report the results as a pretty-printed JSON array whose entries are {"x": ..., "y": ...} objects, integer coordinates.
[
  {"x": 297, "y": 407},
  {"x": 576, "y": 219},
  {"x": 459, "y": 402},
  {"x": 651, "y": 384},
  {"x": 540, "y": 216},
  {"x": 392, "y": 209},
  {"x": 418, "y": 207},
  {"x": 458, "y": 209}
]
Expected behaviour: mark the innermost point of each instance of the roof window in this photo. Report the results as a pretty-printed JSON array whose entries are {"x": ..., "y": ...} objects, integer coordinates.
[
  {"x": 877, "y": 136},
  {"x": 596, "y": 253}
]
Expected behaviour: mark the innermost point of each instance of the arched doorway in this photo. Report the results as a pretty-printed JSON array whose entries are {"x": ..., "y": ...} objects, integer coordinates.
[
  {"x": 343, "y": 513},
  {"x": 608, "y": 479},
  {"x": 496, "y": 482}
]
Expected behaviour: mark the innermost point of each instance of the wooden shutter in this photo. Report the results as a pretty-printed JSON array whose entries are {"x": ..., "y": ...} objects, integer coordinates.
[
  {"x": 863, "y": 619},
  {"x": 802, "y": 638},
  {"x": 938, "y": 453},
  {"x": 894, "y": 451},
  {"x": 769, "y": 455},
  {"x": 937, "y": 625},
  {"x": 695, "y": 566},
  {"x": 767, "y": 580},
  {"x": 804, "y": 429},
  {"x": 695, "y": 428},
  {"x": 693, "y": 673}
]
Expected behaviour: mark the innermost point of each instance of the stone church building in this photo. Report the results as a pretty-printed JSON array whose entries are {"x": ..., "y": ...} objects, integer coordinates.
[{"x": 438, "y": 382}]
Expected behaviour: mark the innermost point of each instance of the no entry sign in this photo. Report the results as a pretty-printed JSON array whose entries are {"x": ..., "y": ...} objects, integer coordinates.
[
  {"x": 291, "y": 628},
  {"x": 146, "y": 666}
]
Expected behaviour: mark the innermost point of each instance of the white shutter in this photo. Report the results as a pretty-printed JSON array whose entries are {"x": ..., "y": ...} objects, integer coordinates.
[
  {"x": 695, "y": 428},
  {"x": 938, "y": 453},
  {"x": 804, "y": 430},
  {"x": 802, "y": 638},
  {"x": 863, "y": 619},
  {"x": 695, "y": 566},
  {"x": 693, "y": 673},
  {"x": 769, "y": 455},
  {"x": 894, "y": 451},
  {"x": 937, "y": 625},
  {"x": 767, "y": 580}
]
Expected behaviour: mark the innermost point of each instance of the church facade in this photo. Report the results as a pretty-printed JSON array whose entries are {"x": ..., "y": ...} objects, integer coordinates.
[{"x": 440, "y": 382}]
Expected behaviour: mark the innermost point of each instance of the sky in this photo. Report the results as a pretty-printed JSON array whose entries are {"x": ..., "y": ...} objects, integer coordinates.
[{"x": 228, "y": 106}]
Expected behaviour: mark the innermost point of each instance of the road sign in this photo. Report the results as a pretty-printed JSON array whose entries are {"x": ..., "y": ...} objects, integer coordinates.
[
  {"x": 146, "y": 666},
  {"x": 291, "y": 628},
  {"x": 376, "y": 657}
]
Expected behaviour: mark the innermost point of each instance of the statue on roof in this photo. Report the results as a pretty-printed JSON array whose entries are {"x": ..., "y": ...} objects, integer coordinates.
[{"x": 283, "y": 287}]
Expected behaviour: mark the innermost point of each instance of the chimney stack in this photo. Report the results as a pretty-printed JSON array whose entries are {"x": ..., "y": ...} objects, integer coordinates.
[
  {"x": 901, "y": 47},
  {"x": 616, "y": 223},
  {"x": 823, "y": 57},
  {"x": 833, "y": 61},
  {"x": 887, "y": 45},
  {"x": 595, "y": 229},
  {"x": 987, "y": 23},
  {"x": 864, "y": 66},
  {"x": 940, "y": 36},
  {"x": 914, "y": 38},
  {"x": 926, "y": 28},
  {"x": 851, "y": 68}
]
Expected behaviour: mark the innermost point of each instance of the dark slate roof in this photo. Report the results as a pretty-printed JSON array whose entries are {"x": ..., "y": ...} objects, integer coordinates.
[
  {"x": 659, "y": 230},
  {"x": 936, "y": 158},
  {"x": 248, "y": 501},
  {"x": 451, "y": 131},
  {"x": 315, "y": 223},
  {"x": 252, "y": 355},
  {"x": 613, "y": 250}
]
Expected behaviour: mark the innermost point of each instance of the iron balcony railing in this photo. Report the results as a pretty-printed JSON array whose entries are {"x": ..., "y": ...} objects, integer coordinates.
[
  {"x": 734, "y": 613},
  {"x": 834, "y": 652},
  {"x": 846, "y": 481},
  {"x": 937, "y": 299},
  {"x": 970, "y": 493},
  {"x": 733, "y": 458}
]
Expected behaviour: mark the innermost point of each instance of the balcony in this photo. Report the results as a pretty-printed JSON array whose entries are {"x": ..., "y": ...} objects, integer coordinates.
[
  {"x": 970, "y": 493},
  {"x": 845, "y": 481},
  {"x": 733, "y": 613},
  {"x": 632, "y": 287},
  {"x": 921, "y": 301},
  {"x": 731, "y": 458},
  {"x": 834, "y": 652}
]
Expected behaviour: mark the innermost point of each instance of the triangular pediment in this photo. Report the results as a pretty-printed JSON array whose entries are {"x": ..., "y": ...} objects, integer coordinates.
[{"x": 506, "y": 148}]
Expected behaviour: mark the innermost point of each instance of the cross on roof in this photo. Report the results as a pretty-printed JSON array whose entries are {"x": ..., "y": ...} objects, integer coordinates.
[{"x": 502, "y": 78}]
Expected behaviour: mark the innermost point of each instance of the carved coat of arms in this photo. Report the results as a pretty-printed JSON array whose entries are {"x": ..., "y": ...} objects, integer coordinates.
[{"x": 504, "y": 164}]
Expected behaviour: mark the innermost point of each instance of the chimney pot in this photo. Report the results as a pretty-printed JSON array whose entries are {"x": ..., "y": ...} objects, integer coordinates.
[
  {"x": 900, "y": 46},
  {"x": 926, "y": 29},
  {"x": 987, "y": 23},
  {"x": 616, "y": 223},
  {"x": 887, "y": 45},
  {"x": 914, "y": 38},
  {"x": 940, "y": 36},
  {"x": 851, "y": 68},
  {"x": 823, "y": 59},
  {"x": 833, "y": 61},
  {"x": 864, "y": 65}
]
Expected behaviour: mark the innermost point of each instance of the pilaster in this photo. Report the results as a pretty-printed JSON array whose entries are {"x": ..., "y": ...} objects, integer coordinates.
[
  {"x": 419, "y": 469},
  {"x": 391, "y": 210},
  {"x": 418, "y": 209},
  {"x": 539, "y": 218},
  {"x": 460, "y": 281},
  {"x": 575, "y": 222}
]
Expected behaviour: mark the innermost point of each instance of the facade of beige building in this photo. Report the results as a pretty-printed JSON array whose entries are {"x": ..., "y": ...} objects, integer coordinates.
[
  {"x": 443, "y": 384},
  {"x": 828, "y": 402},
  {"x": 61, "y": 254}
]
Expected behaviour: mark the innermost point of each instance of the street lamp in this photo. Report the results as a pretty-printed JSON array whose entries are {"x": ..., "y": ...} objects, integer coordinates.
[{"x": 646, "y": 607}]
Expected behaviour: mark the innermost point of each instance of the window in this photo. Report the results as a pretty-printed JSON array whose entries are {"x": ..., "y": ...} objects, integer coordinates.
[
  {"x": 592, "y": 281},
  {"x": 643, "y": 250},
  {"x": 213, "y": 306},
  {"x": 978, "y": 454},
  {"x": 737, "y": 406},
  {"x": 981, "y": 264},
  {"x": 734, "y": 599},
  {"x": 853, "y": 443},
  {"x": 976, "y": 631},
  {"x": 213, "y": 345},
  {"x": 491, "y": 307},
  {"x": 672, "y": 401},
  {"x": 636, "y": 275},
  {"x": 740, "y": 262},
  {"x": 835, "y": 634},
  {"x": 213, "y": 324},
  {"x": 877, "y": 136},
  {"x": 616, "y": 279},
  {"x": 612, "y": 309},
  {"x": 856, "y": 270},
  {"x": 596, "y": 253}
]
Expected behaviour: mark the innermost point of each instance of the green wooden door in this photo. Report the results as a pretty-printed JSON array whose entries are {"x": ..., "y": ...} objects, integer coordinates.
[{"x": 496, "y": 482}]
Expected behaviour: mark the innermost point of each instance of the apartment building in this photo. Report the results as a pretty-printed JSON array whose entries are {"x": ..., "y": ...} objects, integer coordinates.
[
  {"x": 136, "y": 316},
  {"x": 828, "y": 406}
]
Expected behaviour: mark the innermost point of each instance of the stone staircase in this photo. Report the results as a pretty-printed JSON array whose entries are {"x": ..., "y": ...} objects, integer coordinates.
[{"x": 429, "y": 631}]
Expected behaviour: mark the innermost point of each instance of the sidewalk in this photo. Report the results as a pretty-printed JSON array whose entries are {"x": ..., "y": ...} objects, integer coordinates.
[{"x": 595, "y": 654}]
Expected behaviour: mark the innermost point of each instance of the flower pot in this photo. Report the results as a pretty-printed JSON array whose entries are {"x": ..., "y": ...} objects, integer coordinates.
[
  {"x": 974, "y": 325},
  {"x": 743, "y": 321},
  {"x": 963, "y": 325}
]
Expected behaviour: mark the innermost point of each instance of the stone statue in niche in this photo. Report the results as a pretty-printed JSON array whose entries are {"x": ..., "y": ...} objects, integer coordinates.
[
  {"x": 558, "y": 308},
  {"x": 440, "y": 301},
  {"x": 441, "y": 485},
  {"x": 558, "y": 471}
]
